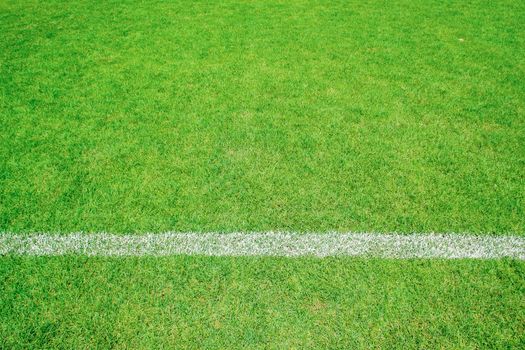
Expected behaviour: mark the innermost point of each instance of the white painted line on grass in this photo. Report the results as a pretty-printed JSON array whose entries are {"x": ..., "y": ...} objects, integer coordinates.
[{"x": 394, "y": 246}]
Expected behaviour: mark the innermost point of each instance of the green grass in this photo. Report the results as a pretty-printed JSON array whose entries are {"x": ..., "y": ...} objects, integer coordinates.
[
  {"x": 270, "y": 303},
  {"x": 128, "y": 116}
]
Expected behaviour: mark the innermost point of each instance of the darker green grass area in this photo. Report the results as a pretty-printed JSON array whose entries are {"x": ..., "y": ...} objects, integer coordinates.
[
  {"x": 251, "y": 303},
  {"x": 129, "y": 116}
]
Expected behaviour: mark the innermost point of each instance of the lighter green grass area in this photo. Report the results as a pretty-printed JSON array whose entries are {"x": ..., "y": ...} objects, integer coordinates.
[
  {"x": 260, "y": 303},
  {"x": 129, "y": 116}
]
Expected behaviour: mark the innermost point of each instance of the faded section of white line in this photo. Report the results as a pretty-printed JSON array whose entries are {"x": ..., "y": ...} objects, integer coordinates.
[{"x": 392, "y": 246}]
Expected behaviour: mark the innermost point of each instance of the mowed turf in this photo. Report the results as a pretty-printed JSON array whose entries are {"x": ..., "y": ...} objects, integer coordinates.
[
  {"x": 129, "y": 116},
  {"x": 264, "y": 303},
  {"x": 133, "y": 117}
]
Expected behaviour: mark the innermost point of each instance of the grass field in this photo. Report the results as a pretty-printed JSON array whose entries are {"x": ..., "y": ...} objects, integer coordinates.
[
  {"x": 239, "y": 303},
  {"x": 303, "y": 116}
]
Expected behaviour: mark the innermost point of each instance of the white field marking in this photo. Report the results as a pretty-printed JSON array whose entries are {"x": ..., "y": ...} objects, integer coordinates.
[{"x": 393, "y": 246}]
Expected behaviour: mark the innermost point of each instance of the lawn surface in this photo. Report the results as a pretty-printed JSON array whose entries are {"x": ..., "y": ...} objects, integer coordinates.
[
  {"x": 129, "y": 116},
  {"x": 132, "y": 117},
  {"x": 277, "y": 303}
]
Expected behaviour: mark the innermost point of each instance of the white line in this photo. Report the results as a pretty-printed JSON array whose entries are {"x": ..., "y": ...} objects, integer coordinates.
[{"x": 393, "y": 246}]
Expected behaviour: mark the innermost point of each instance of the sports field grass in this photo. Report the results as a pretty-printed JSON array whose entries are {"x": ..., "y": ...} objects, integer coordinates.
[
  {"x": 261, "y": 303},
  {"x": 152, "y": 116},
  {"x": 238, "y": 116}
]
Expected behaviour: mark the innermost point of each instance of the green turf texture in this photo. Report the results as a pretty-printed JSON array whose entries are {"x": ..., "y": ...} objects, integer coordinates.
[
  {"x": 265, "y": 303},
  {"x": 128, "y": 116}
]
